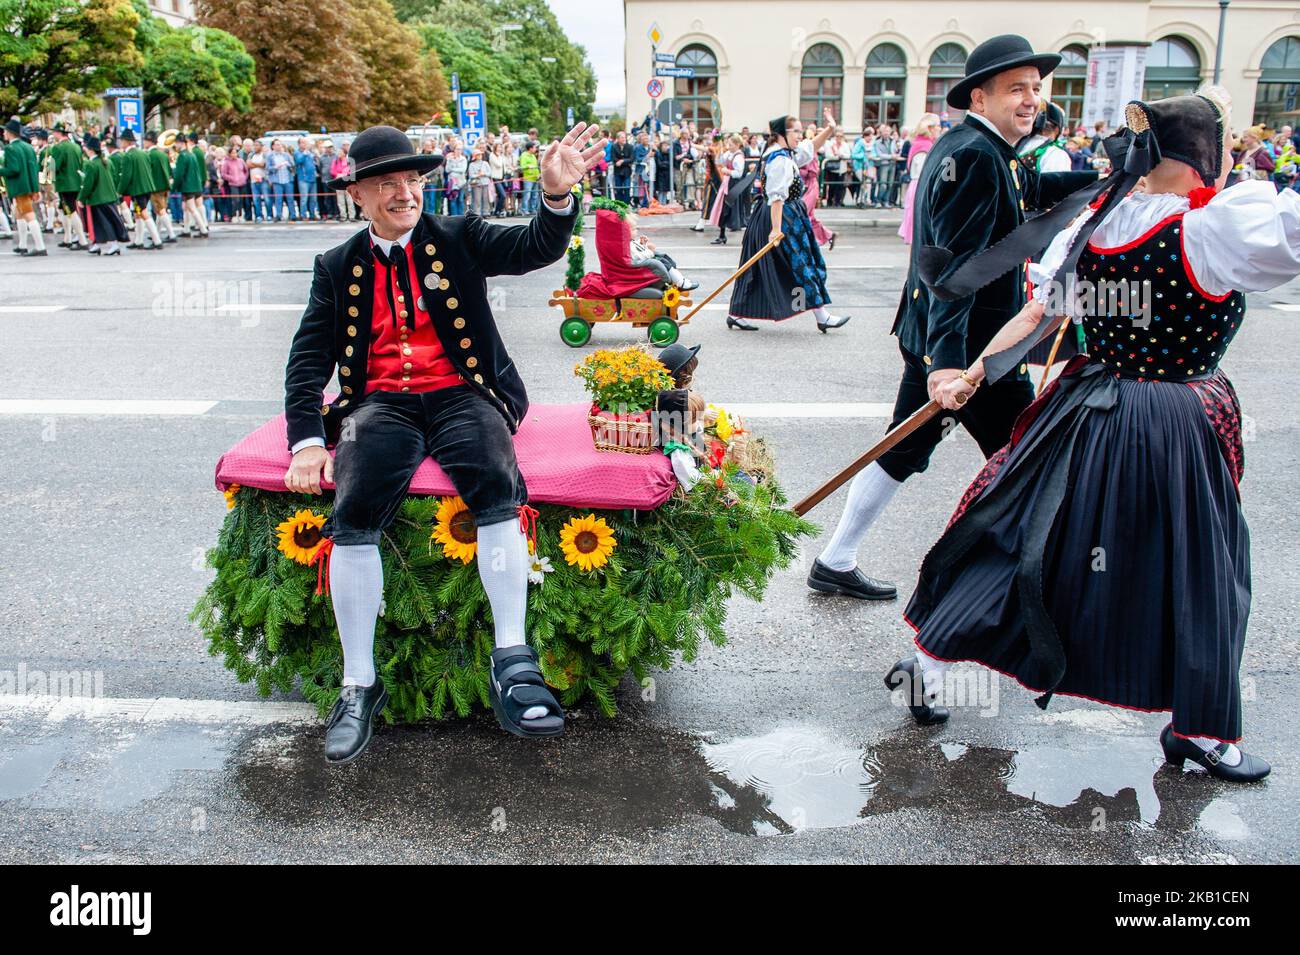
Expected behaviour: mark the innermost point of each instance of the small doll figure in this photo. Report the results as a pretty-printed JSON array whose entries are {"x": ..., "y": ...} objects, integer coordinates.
[
  {"x": 679, "y": 415},
  {"x": 643, "y": 254}
]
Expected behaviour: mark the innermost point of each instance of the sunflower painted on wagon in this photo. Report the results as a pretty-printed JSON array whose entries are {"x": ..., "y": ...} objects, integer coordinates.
[
  {"x": 456, "y": 530},
  {"x": 587, "y": 542},
  {"x": 300, "y": 535},
  {"x": 672, "y": 295}
]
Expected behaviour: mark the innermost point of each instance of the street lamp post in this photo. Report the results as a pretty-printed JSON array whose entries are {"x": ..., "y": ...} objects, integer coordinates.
[{"x": 1218, "y": 47}]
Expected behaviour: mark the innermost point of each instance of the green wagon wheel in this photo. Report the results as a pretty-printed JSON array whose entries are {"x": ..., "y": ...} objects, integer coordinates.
[
  {"x": 576, "y": 332},
  {"x": 663, "y": 331}
]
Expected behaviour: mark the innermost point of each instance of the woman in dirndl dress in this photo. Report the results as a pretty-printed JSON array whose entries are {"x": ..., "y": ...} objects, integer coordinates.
[
  {"x": 791, "y": 277},
  {"x": 1103, "y": 552},
  {"x": 99, "y": 198}
]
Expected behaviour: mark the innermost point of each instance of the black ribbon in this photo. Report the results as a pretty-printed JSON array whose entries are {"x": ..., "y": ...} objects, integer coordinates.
[
  {"x": 1132, "y": 156},
  {"x": 396, "y": 262}
]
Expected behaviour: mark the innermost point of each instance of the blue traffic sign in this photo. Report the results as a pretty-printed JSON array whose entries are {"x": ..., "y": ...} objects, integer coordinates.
[
  {"x": 471, "y": 109},
  {"x": 682, "y": 72},
  {"x": 130, "y": 114}
]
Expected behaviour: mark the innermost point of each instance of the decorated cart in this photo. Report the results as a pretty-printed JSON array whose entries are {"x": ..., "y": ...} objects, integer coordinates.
[
  {"x": 630, "y": 571},
  {"x": 620, "y": 291}
]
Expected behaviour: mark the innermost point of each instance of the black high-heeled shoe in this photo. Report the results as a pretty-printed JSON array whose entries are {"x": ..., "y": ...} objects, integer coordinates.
[
  {"x": 1178, "y": 750},
  {"x": 905, "y": 675},
  {"x": 720, "y": 240},
  {"x": 740, "y": 323}
]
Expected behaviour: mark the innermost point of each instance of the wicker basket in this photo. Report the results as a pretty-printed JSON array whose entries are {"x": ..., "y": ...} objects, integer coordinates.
[{"x": 628, "y": 433}]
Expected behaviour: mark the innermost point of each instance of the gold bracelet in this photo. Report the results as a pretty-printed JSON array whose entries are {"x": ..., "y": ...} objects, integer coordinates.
[{"x": 968, "y": 379}]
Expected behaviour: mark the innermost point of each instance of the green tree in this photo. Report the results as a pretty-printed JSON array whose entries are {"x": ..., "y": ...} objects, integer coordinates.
[
  {"x": 405, "y": 80},
  {"x": 523, "y": 71},
  {"x": 58, "y": 53}
]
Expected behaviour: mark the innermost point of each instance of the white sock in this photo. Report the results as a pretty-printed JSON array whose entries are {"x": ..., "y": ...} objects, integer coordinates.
[
  {"x": 138, "y": 232},
  {"x": 151, "y": 227},
  {"x": 20, "y": 233},
  {"x": 675, "y": 276},
  {"x": 1230, "y": 757},
  {"x": 38, "y": 237},
  {"x": 503, "y": 568},
  {"x": 869, "y": 492},
  {"x": 78, "y": 229},
  {"x": 167, "y": 224},
  {"x": 356, "y": 590},
  {"x": 932, "y": 672},
  {"x": 111, "y": 247}
]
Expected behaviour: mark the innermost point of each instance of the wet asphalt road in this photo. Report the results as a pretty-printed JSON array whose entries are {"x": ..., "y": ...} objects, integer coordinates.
[{"x": 781, "y": 746}]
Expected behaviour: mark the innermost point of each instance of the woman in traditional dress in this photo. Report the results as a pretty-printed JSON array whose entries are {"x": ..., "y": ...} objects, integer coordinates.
[
  {"x": 810, "y": 173},
  {"x": 1103, "y": 552},
  {"x": 99, "y": 197},
  {"x": 791, "y": 277},
  {"x": 927, "y": 131},
  {"x": 728, "y": 207}
]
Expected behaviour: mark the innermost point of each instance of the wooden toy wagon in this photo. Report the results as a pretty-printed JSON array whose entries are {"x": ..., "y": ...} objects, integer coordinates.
[{"x": 619, "y": 292}]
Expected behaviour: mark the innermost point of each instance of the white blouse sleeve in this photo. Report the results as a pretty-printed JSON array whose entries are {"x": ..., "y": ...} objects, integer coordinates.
[
  {"x": 803, "y": 153},
  {"x": 1246, "y": 239},
  {"x": 780, "y": 173},
  {"x": 1055, "y": 159},
  {"x": 1041, "y": 272}
]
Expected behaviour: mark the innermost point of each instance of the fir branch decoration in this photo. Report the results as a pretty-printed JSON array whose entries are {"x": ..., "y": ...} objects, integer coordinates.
[
  {"x": 577, "y": 254},
  {"x": 662, "y": 590}
]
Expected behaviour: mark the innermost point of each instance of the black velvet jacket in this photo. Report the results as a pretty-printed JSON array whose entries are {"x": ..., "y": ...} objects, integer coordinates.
[
  {"x": 454, "y": 255},
  {"x": 972, "y": 192}
]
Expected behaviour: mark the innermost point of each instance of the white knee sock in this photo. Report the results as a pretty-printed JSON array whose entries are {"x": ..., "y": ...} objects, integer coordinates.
[
  {"x": 38, "y": 237},
  {"x": 20, "y": 233},
  {"x": 675, "y": 276},
  {"x": 503, "y": 568},
  {"x": 932, "y": 672},
  {"x": 1230, "y": 757},
  {"x": 151, "y": 228},
  {"x": 166, "y": 219},
  {"x": 78, "y": 229},
  {"x": 356, "y": 589},
  {"x": 869, "y": 492},
  {"x": 138, "y": 236}
]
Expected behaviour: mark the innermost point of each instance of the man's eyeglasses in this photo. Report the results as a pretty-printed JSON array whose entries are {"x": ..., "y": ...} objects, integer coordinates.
[{"x": 389, "y": 187}]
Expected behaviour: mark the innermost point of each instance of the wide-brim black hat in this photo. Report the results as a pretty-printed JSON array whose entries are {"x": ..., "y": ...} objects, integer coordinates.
[
  {"x": 127, "y": 134},
  {"x": 90, "y": 142},
  {"x": 994, "y": 56},
  {"x": 379, "y": 150},
  {"x": 14, "y": 126}
]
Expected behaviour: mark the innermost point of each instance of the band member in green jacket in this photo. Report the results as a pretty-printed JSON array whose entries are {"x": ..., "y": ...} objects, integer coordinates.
[
  {"x": 67, "y": 183},
  {"x": 21, "y": 180},
  {"x": 161, "y": 179},
  {"x": 187, "y": 179},
  {"x": 100, "y": 197},
  {"x": 136, "y": 186}
]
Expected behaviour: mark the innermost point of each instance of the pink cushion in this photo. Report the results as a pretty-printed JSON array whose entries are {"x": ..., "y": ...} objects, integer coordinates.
[{"x": 556, "y": 455}]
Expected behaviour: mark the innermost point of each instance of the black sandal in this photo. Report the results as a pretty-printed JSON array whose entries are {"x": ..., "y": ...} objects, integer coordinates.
[{"x": 515, "y": 685}]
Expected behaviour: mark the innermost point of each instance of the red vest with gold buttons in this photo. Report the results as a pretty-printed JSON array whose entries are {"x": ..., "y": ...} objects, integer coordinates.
[{"x": 403, "y": 358}]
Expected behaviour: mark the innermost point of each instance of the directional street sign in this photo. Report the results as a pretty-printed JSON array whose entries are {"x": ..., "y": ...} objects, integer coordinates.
[
  {"x": 665, "y": 57},
  {"x": 472, "y": 110},
  {"x": 682, "y": 72}
]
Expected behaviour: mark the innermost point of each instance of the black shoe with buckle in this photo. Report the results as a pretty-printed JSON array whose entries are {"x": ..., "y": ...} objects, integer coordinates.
[
  {"x": 920, "y": 704},
  {"x": 1178, "y": 750},
  {"x": 351, "y": 721},
  {"x": 852, "y": 583}
]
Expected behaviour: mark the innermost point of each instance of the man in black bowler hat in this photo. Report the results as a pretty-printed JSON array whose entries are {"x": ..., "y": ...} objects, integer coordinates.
[
  {"x": 972, "y": 192},
  {"x": 401, "y": 309}
]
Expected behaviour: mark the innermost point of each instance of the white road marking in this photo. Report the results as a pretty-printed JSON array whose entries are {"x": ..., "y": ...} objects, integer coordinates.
[
  {"x": 103, "y": 406},
  {"x": 54, "y": 709},
  {"x": 249, "y": 307},
  {"x": 30, "y": 309},
  {"x": 1286, "y": 306}
]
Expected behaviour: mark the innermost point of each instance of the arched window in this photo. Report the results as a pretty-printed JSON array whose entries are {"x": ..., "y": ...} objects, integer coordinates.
[
  {"x": 1173, "y": 69},
  {"x": 1067, "y": 84},
  {"x": 821, "y": 83},
  {"x": 1279, "y": 80},
  {"x": 947, "y": 67},
  {"x": 697, "y": 97},
  {"x": 884, "y": 87}
]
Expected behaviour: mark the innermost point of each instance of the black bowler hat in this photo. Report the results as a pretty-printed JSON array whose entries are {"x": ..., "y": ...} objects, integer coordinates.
[
  {"x": 995, "y": 56},
  {"x": 379, "y": 150},
  {"x": 127, "y": 135},
  {"x": 14, "y": 126},
  {"x": 90, "y": 142},
  {"x": 676, "y": 355}
]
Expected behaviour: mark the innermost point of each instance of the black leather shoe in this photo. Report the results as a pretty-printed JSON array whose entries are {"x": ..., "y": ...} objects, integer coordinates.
[
  {"x": 1178, "y": 750},
  {"x": 720, "y": 240},
  {"x": 351, "y": 721},
  {"x": 852, "y": 583},
  {"x": 823, "y": 327},
  {"x": 36, "y": 253},
  {"x": 740, "y": 323},
  {"x": 924, "y": 711}
]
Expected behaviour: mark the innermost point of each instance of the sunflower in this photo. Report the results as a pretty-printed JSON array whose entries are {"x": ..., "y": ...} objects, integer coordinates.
[
  {"x": 230, "y": 493},
  {"x": 672, "y": 295},
  {"x": 587, "y": 542},
  {"x": 455, "y": 530},
  {"x": 300, "y": 535}
]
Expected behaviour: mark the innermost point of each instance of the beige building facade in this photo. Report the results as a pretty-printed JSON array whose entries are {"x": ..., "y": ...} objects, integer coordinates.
[{"x": 873, "y": 61}]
